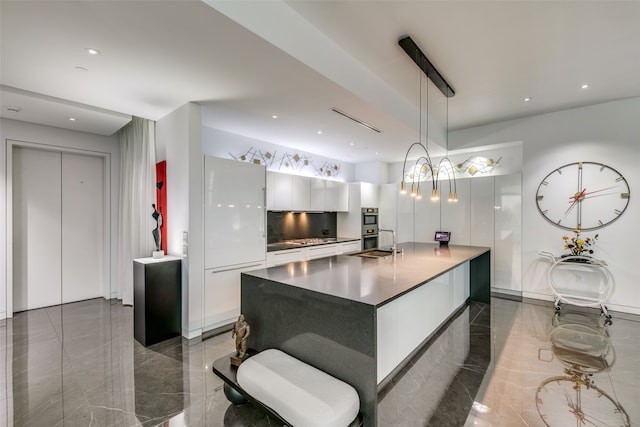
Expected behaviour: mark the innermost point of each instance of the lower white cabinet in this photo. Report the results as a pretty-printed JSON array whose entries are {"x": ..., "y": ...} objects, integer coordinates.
[
  {"x": 285, "y": 257},
  {"x": 311, "y": 252},
  {"x": 348, "y": 247},
  {"x": 222, "y": 294},
  {"x": 321, "y": 251}
]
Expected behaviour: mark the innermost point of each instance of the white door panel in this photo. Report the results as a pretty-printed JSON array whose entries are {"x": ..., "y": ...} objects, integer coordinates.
[
  {"x": 456, "y": 216},
  {"x": 58, "y": 227},
  {"x": 36, "y": 229},
  {"x": 483, "y": 211},
  {"x": 82, "y": 227}
]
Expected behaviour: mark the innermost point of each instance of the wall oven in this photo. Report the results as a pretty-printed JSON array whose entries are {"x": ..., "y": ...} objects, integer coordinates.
[
  {"x": 369, "y": 216},
  {"x": 369, "y": 228}
]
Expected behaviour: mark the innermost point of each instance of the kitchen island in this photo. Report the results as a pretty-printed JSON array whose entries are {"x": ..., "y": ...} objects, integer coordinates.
[{"x": 360, "y": 319}]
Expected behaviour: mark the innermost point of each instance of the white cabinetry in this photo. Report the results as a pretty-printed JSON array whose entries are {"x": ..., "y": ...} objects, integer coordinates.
[
  {"x": 310, "y": 252},
  {"x": 222, "y": 294},
  {"x": 507, "y": 250},
  {"x": 300, "y": 193},
  {"x": 318, "y": 190},
  {"x": 336, "y": 196},
  {"x": 349, "y": 247},
  {"x": 456, "y": 217},
  {"x": 279, "y": 191},
  {"x": 369, "y": 195},
  {"x": 321, "y": 251},
  {"x": 329, "y": 196},
  {"x": 360, "y": 195},
  {"x": 271, "y": 192},
  {"x": 481, "y": 196},
  {"x": 234, "y": 234},
  {"x": 343, "y": 197},
  {"x": 285, "y": 257}
]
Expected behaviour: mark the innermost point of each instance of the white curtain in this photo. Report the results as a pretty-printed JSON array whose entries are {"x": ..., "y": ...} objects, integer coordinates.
[{"x": 137, "y": 194}]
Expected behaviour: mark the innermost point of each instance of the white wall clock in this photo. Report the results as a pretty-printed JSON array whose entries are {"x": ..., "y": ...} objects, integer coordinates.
[{"x": 583, "y": 195}]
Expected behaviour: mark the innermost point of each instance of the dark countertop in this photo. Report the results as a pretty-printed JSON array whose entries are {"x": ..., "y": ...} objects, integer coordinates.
[
  {"x": 280, "y": 246},
  {"x": 372, "y": 281}
]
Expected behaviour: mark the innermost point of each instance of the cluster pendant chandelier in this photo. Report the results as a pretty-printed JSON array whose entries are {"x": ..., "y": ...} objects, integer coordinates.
[{"x": 423, "y": 166}]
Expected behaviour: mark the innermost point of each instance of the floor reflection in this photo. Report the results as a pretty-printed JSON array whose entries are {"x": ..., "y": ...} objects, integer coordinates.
[
  {"x": 581, "y": 342},
  {"x": 159, "y": 382},
  {"x": 503, "y": 364}
]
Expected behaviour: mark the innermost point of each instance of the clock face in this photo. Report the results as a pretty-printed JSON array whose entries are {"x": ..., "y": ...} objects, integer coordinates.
[
  {"x": 577, "y": 401},
  {"x": 583, "y": 195}
]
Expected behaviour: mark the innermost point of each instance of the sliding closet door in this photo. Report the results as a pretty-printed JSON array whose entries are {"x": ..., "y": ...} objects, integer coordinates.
[
  {"x": 37, "y": 240},
  {"x": 82, "y": 227},
  {"x": 58, "y": 228}
]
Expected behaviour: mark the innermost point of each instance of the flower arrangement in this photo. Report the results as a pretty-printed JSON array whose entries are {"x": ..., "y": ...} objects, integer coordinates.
[{"x": 578, "y": 245}]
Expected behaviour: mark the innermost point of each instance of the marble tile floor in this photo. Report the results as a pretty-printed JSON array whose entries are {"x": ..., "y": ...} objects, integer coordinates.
[{"x": 504, "y": 364}]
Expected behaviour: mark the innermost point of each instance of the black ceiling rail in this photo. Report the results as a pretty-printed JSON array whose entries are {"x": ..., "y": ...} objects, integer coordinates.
[{"x": 414, "y": 52}]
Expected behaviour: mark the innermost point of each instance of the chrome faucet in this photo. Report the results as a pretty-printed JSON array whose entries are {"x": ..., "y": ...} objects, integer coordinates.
[{"x": 394, "y": 245}]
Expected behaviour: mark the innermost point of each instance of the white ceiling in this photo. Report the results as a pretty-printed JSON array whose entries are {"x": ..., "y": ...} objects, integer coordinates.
[{"x": 245, "y": 61}]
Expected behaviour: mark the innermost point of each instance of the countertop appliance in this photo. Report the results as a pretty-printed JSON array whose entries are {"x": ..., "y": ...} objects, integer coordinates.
[{"x": 369, "y": 228}]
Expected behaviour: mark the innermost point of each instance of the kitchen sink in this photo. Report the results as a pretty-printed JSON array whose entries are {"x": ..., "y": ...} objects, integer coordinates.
[{"x": 374, "y": 253}]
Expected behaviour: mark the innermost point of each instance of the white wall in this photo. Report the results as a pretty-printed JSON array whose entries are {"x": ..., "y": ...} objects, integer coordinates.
[
  {"x": 180, "y": 133},
  {"x": 373, "y": 172},
  {"x": 63, "y": 140},
  {"x": 606, "y": 133}
]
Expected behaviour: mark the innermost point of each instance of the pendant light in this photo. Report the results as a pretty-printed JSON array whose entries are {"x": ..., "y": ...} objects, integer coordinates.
[
  {"x": 446, "y": 165},
  {"x": 423, "y": 166}
]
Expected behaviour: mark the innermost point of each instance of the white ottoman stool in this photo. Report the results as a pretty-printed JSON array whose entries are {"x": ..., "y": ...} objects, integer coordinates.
[{"x": 299, "y": 393}]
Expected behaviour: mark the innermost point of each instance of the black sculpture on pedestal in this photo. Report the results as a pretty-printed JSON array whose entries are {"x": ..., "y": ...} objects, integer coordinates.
[{"x": 156, "y": 231}]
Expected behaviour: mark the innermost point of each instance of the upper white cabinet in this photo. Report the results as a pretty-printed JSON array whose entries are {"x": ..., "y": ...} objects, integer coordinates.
[
  {"x": 234, "y": 214},
  {"x": 300, "y": 193},
  {"x": 369, "y": 195},
  {"x": 331, "y": 196},
  {"x": 271, "y": 193},
  {"x": 279, "y": 191},
  {"x": 343, "y": 197},
  {"x": 318, "y": 190},
  {"x": 336, "y": 196}
]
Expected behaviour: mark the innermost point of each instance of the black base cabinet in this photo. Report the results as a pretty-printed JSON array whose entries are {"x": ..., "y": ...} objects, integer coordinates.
[{"x": 157, "y": 299}]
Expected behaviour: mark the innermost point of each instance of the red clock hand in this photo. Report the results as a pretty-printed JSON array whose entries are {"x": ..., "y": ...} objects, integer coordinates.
[
  {"x": 597, "y": 191},
  {"x": 575, "y": 198}
]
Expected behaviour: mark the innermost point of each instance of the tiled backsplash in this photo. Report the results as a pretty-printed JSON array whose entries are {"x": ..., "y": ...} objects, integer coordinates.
[{"x": 300, "y": 225}]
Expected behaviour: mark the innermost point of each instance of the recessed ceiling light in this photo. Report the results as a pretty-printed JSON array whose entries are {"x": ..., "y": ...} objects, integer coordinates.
[
  {"x": 319, "y": 132},
  {"x": 585, "y": 86},
  {"x": 274, "y": 117},
  {"x": 527, "y": 99},
  {"x": 72, "y": 119},
  {"x": 92, "y": 51},
  {"x": 352, "y": 144},
  {"x": 377, "y": 153}
]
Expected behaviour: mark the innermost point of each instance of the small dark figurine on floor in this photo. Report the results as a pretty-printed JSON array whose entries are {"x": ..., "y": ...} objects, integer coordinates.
[{"x": 241, "y": 332}]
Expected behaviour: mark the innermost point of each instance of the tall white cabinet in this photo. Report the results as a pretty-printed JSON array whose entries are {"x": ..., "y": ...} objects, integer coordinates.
[
  {"x": 235, "y": 234},
  {"x": 488, "y": 213}
]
